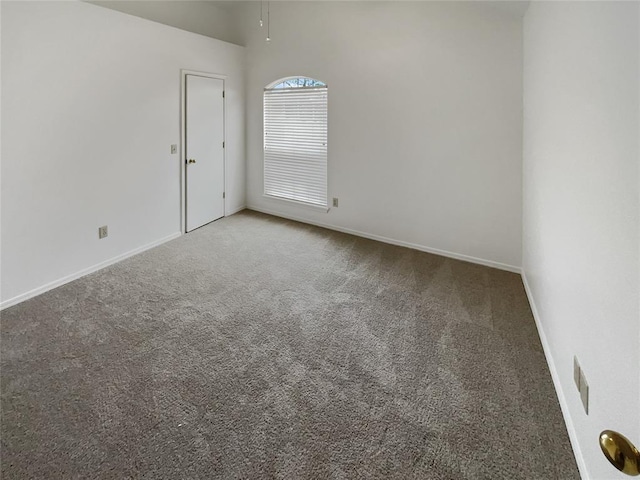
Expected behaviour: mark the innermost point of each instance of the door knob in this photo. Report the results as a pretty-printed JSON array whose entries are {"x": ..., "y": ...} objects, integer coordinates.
[
  {"x": 191, "y": 160},
  {"x": 620, "y": 452}
]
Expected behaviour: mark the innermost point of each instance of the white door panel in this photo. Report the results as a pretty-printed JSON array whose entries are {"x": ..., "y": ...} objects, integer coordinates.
[{"x": 204, "y": 122}]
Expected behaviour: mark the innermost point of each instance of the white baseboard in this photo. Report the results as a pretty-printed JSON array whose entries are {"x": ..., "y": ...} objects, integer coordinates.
[
  {"x": 564, "y": 407},
  {"x": 235, "y": 210},
  {"x": 392, "y": 241},
  {"x": 74, "y": 276}
]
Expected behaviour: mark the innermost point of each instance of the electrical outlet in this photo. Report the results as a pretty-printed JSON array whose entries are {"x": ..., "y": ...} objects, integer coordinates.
[
  {"x": 174, "y": 149},
  {"x": 335, "y": 202},
  {"x": 103, "y": 232}
]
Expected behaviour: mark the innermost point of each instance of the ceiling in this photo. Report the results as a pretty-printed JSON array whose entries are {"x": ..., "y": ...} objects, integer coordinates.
[
  {"x": 224, "y": 19},
  {"x": 513, "y": 7}
]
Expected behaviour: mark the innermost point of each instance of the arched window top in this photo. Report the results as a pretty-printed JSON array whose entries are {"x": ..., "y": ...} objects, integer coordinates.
[{"x": 295, "y": 82}]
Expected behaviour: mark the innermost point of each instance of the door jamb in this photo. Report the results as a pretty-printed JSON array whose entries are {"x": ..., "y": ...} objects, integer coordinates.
[{"x": 183, "y": 142}]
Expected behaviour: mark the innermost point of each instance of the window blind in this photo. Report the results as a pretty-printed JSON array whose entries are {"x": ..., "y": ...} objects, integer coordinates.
[{"x": 295, "y": 144}]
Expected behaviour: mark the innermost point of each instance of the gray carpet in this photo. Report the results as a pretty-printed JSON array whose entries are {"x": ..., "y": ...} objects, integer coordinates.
[{"x": 257, "y": 347}]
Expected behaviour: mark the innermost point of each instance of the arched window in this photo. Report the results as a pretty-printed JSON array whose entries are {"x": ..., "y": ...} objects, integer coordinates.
[{"x": 295, "y": 140}]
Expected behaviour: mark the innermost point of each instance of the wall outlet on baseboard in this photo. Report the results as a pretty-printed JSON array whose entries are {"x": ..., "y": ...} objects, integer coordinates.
[
  {"x": 103, "y": 231},
  {"x": 335, "y": 202},
  {"x": 581, "y": 384}
]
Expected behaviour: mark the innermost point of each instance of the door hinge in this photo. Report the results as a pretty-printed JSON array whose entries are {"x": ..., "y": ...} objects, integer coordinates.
[
  {"x": 222, "y": 93},
  {"x": 222, "y": 144},
  {"x": 224, "y": 194}
]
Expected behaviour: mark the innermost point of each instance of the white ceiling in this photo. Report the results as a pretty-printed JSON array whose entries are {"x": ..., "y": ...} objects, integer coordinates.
[
  {"x": 514, "y": 7},
  {"x": 224, "y": 19}
]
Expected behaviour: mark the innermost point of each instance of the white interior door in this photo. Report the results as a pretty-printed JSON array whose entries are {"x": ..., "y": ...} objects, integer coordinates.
[{"x": 204, "y": 135}]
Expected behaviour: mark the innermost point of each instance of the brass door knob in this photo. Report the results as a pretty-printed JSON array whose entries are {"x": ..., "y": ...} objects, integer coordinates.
[
  {"x": 191, "y": 160},
  {"x": 620, "y": 452}
]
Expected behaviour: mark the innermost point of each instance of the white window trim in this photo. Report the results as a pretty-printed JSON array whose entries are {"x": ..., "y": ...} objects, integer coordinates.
[
  {"x": 312, "y": 206},
  {"x": 272, "y": 195}
]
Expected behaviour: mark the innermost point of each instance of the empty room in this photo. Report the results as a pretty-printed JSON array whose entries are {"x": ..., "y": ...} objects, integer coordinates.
[{"x": 320, "y": 239}]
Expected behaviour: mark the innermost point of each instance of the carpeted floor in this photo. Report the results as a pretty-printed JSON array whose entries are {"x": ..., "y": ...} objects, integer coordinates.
[{"x": 257, "y": 347}]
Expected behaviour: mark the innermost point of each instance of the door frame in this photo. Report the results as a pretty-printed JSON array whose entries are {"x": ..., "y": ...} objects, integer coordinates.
[{"x": 183, "y": 140}]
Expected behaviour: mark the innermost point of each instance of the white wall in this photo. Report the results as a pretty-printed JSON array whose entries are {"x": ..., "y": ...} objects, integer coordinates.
[
  {"x": 203, "y": 17},
  {"x": 90, "y": 107},
  {"x": 581, "y": 210},
  {"x": 425, "y": 119}
]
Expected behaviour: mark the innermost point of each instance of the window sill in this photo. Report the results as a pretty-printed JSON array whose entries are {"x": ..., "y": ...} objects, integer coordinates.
[{"x": 310, "y": 206}]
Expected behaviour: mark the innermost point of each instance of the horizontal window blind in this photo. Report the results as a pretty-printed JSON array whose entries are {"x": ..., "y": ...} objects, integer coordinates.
[{"x": 295, "y": 144}]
